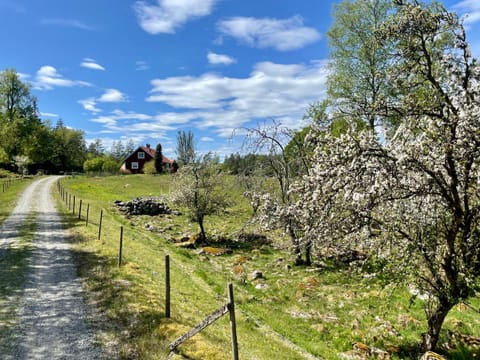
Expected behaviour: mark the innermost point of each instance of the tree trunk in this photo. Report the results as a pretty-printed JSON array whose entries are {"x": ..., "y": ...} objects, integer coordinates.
[
  {"x": 435, "y": 322},
  {"x": 296, "y": 248},
  {"x": 308, "y": 253},
  {"x": 203, "y": 237}
]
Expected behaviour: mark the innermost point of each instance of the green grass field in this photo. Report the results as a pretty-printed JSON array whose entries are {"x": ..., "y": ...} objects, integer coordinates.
[{"x": 291, "y": 313}]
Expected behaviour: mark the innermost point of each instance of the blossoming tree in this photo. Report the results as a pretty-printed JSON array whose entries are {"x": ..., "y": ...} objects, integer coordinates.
[{"x": 412, "y": 201}]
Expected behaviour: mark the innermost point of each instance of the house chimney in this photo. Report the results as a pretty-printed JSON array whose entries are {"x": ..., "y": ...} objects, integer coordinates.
[{"x": 148, "y": 146}]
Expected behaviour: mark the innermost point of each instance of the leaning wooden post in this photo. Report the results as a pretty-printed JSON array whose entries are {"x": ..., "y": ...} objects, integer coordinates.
[
  {"x": 100, "y": 224},
  {"x": 233, "y": 324},
  {"x": 80, "y": 210},
  {"x": 120, "y": 247},
  {"x": 86, "y": 218},
  {"x": 73, "y": 207},
  {"x": 167, "y": 286}
]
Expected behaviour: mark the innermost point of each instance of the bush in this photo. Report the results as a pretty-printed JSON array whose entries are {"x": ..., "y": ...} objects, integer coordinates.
[
  {"x": 5, "y": 173},
  {"x": 149, "y": 168}
]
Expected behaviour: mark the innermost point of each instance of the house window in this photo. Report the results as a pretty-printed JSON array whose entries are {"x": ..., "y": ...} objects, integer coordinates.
[
  {"x": 134, "y": 165},
  {"x": 141, "y": 155}
]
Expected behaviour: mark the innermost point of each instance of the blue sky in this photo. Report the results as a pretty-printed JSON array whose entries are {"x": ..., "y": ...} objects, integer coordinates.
[{"x": 142, "y": 70}]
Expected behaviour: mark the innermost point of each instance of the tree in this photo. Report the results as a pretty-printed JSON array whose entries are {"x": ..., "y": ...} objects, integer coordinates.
[
  {"x": 117, "y": 151},
  {"x": 159, "y": 159},
  {"x": 110, "y": 165},
  {"x": 412, "y": 201},
  {"x": 70, "y": 148},
  {"x": 199, "y": 189},
  {"x": 96, "y": 148},
  {"x": 358, "y": 76},
  {"x": 22, "y": 161},
  {"x": 185, "y": 147},
  {"x": 93, "y": 165},
  {"x": 15, "y": 98},
  {"x": 129, "y": 148},
  {"x": 272, "y": 140},
  {"x": 18, "y": 115}
]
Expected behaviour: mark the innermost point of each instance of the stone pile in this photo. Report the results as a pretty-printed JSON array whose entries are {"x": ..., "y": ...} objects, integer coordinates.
[{"x": 144, "y": 206}]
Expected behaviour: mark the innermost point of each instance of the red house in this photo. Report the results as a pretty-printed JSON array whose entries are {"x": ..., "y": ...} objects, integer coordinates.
[{"x": 135, "y": 162}]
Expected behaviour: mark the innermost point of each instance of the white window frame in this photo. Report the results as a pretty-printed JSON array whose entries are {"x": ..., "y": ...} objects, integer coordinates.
[
  {"x": 141, "y": 155},
  {"x": 134, "y": 165}
]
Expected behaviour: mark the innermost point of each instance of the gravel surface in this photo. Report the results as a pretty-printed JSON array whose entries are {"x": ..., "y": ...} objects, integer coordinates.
[{"x": 51, "y": 321}]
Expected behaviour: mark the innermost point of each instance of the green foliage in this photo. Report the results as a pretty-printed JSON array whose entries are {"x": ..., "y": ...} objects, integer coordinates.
[
  {"x": 159, "y": 159},
  {"x": 93, "y": 165},
  {"x": 19, "y": 119},
  {"x": 95, "y": 149},
  {"x": 22, "y": 133},
  {"x": 358, "y": 78},
  {"x": 101, "y": 164},
  {"x": 198, "y": 187},
  {"x": 149, "y": 168},
  {"x": 185, "y": 148},
  {"x": 69, "y": 148},
  {"x": 110, "y": 166}
]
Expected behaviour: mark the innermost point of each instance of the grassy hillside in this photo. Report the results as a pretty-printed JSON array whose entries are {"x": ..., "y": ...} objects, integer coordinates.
[{"x": 289, "y": 313}]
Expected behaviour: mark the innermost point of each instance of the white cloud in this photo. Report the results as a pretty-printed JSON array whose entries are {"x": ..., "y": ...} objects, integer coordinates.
[
  {"x": 72, "y": 23},
  {"x": 218, "y": 59},
  {"x": 272, "y": 91},
  {"x": 90, "y": 105},
  {"x": 109, "y": 96},
  {"x": 470, "y": 9},
  {"x": 282, "y": 35},
  {"x": 23, "y": 76},
  {"x": 47, "y": 114},
  {"x": 47, "y": 78},
  {"x": 207, "y": 139},
  {"x": 91, "y": 64},
  {"x": 112, "y": 95},
  {"x": 167, "y": 15},
  {"x": 141, "y": 65},
  {"x": 128, "y": 122}
]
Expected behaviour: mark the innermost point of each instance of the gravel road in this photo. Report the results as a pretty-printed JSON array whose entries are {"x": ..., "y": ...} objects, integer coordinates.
[{"x": 51, "y": 312}]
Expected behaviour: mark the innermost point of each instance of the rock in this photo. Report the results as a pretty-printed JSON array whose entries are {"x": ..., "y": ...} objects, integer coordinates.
[
  {"x": 379, "y": 353},
  {"x": 261, "y": 286},
  {"x": 188, "y": 241},
  {"x": 362, "y": 349},
  {"x": 255, "y": 275},
  {"x": 430, "y": 355},
  {"x": 213, "y": 251},
  {"x": 143, "y": 206},
  {"x": 238, "y": 272},
  {"x": 352, "y": 355},
  {"x": 150, "y": 227}
]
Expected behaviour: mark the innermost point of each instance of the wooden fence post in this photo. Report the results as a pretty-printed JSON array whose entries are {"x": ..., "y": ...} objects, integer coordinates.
[
  {"x": 73, "y": 207},
  {"x": 233, "y": 324},
  {"x": 210, "y": 319},
  {"x": 86, "y": 219},
  {"x": 167, "y": 286},
  {"x": 120, "y": 247},
  {"x": 100, "y": 224},
  {"x": 80, "y": 210}
]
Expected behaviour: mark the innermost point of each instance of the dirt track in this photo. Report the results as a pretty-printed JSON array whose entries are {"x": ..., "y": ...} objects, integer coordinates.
[{"x": 50, "y": 309}]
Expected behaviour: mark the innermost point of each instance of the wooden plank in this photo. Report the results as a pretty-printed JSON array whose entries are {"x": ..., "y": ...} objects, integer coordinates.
[{"x": 208, "y": 321}]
